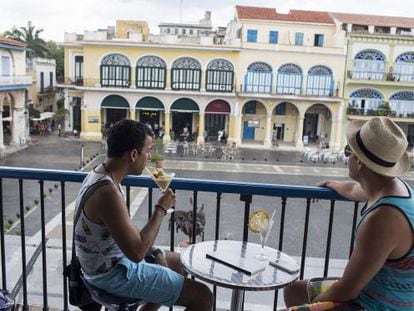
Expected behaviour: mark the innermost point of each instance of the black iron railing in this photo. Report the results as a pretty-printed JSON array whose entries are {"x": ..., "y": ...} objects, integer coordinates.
[{"x": 223, "y": 193}]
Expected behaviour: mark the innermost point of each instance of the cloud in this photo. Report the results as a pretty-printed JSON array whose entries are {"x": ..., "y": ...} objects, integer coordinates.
[{"x": 59, "y": 16}]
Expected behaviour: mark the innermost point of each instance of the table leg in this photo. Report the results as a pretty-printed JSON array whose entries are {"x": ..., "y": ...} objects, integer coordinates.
[{"x": 237, "y": 297}]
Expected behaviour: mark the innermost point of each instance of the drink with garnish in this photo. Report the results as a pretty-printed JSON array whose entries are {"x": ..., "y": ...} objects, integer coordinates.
[
  {"x": 260, "y": 222},
  {"x": 160, "y": 177}
]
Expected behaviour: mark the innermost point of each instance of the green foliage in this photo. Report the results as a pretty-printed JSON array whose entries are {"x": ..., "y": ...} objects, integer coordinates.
[
  {"x": 58, "y": 54},
  {"x": 33, "y": 113},
  {"x": 384, "y": 109},
  {"x": 155, "y": 157},
  {"x": 30, "y": 36},
  {"x": 60, "y": 103}
]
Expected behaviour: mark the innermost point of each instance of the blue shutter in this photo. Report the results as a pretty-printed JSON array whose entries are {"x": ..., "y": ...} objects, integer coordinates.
[
  {"x": 251, "y": 35},
  {"x": 273, "y": 37}
]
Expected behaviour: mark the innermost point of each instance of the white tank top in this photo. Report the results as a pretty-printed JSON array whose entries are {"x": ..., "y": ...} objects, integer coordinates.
[{"x": 95, "y": 248}]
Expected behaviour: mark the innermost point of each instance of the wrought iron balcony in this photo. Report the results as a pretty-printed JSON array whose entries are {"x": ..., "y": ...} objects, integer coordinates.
[{"x": 32, "y": 269}]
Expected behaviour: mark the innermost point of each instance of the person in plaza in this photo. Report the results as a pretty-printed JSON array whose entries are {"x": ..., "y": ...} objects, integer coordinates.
[
  {"x": 60, "y": 129},
  {"x": 114, "y": 254},
  {"x": 380, "y": 271}
]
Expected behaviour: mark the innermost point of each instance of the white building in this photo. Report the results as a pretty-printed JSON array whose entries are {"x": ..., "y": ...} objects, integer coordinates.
[{"x": 14, "y": 84}]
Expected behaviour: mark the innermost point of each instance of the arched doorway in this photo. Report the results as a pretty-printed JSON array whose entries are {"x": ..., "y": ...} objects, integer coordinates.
[
  {"x": 284, "y": 122},
  {"x": 114, "y": 108},
  {"x": 149, "y": 112},
  {"x": 317, "y": 124},
  {"x": 183, "y": 111},
  {"x": 253, "y": 121},
  {"x": 217, "y": 118}
]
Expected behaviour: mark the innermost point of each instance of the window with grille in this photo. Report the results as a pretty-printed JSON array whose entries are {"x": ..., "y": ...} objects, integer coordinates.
[
  {"x": 219, "y": 76},
  {"x": 258, "y": 78},
  {"x": 320, "y": 81},
  {"x": 115, "y": 71},
  {"x": 289, "y": 79},
  {"x": 186, "y": 74},
  {"x": 151, "y": 72}
]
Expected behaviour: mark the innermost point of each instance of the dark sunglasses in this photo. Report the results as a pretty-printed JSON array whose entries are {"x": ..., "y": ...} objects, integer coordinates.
[{"x": 347, "y": 151}]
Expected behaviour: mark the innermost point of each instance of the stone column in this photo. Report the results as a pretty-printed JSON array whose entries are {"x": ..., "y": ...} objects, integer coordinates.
[
  {"x": 268, "y": 131},
  {"x": 237, "y": 120},
  {"x": 299, "y": 131},
  {"x": 132, "y": 114},
  {"x": 166, "y": 138},
  {"x": 18, "y": 125},
  {"x": 68, "y": 112},
  {"x": 201, "y": 126}
]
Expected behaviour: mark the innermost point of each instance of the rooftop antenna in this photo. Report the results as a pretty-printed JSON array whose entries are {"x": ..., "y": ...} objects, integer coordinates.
[{"x": 181, "y": 11}]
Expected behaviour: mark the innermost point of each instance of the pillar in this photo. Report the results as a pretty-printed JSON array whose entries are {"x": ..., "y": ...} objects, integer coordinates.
[
  {"x": 237, "y": 121},
  {"x": 166, "y": 138},
  {"x": 132, "y": 114},
  {"x": 299, "y": 131},
  {"x": 201, "y": 126},
  {"x": 268, "y": 131}
]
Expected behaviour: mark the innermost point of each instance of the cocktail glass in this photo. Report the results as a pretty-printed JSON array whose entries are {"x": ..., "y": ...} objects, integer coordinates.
[
  {"x": 261, "y": 223},
  {"x": 160, "y": 177}
]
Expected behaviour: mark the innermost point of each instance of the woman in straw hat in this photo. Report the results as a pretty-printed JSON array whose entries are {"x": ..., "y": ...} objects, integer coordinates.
[{"x": 380, "y": 271}]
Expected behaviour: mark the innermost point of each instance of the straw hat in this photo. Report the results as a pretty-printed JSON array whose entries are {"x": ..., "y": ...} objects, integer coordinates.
[{"x": 380, "y": 144}]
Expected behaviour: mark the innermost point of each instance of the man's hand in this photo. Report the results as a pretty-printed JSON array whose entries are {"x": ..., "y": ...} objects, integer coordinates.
[{"x": 167, "y": 199}]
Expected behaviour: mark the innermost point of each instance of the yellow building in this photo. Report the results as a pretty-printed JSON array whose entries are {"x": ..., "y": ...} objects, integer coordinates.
[
  {"x": 379, "y": 68},
  {"x": 277, "y": 78}
]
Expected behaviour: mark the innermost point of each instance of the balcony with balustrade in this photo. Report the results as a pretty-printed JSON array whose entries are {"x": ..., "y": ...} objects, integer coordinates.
[
  {"x": 32, "y": 265},
  {"x": 380, "y": 72},
  {"x": 18, "y": 82}
]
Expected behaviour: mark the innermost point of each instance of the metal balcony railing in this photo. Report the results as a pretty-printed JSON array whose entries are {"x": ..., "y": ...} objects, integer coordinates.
[{"x": 14, "y": 195}]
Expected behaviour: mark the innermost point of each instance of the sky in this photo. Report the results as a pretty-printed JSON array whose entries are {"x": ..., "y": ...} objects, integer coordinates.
[{"x": 56, "y": 17}]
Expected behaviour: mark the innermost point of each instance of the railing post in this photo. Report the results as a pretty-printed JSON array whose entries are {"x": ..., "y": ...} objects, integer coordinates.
[{"x": 247, "y": 199}]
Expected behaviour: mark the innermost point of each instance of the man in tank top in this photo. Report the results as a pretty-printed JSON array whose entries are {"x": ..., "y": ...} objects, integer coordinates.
[
  {"x": 110, "y": 247},
  {"x": 380, "y": 271}
]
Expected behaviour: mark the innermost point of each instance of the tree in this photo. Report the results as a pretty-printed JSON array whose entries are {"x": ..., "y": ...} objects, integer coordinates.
[
  {"x": 58, "y": 54},
  {"x": 31, "y": 37}
]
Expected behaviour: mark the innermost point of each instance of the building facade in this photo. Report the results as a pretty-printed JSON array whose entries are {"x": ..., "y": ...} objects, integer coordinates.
[
  {"x": 43, "y": 94},
  {"x": 276, "y": 77},
  {"x": 14, "y": 86},
  {"x": 379, "y": 77}
]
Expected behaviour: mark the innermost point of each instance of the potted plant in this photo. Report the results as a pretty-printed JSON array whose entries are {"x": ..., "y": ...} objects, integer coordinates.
[{"x": 157, "y": 159}]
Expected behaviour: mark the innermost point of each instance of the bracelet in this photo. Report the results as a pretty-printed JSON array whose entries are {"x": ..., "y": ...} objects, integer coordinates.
[{"x": 162, "y": 208}]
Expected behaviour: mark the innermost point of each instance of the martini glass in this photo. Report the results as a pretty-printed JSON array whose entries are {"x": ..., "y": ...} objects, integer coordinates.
[{"x": 160, "y": 177}]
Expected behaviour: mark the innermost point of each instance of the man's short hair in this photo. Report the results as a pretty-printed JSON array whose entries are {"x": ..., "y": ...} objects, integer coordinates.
[{"x": 126, "y": 135}]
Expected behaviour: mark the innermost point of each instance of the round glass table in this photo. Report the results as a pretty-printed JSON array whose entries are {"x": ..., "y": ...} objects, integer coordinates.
[{"x": 232, "y": 264}]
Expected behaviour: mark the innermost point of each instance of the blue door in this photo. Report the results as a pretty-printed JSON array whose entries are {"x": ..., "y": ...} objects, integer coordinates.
[{"x": 248, "y": 132}]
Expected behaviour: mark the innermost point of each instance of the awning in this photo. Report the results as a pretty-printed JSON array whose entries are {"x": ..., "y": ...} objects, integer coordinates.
[
  {"x": 149, "y": 103},
  {"x": 44, "y": 116},
  {"x": 218, "y": 107},
  {"x": 115, "y": 101},
  {"x": 184, "y": 105}
]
